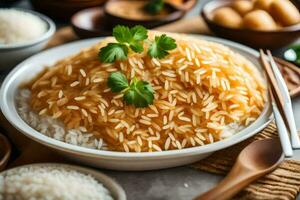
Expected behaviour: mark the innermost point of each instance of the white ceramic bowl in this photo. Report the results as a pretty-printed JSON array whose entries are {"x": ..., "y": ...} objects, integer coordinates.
[
  {"x": 12, "y": 54},
  {"x": 109, "y": 159},
  {"x": 116, "y": 191}
]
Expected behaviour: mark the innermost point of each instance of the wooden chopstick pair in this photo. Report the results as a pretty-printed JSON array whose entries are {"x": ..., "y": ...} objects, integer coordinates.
[{"x": 281, "y": 104}]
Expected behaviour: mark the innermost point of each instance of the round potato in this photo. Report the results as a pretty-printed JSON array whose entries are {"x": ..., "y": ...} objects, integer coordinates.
[
  {"x": 263, "y": 4},
  {"x": 242, "y": 6},
  {"x": 228, "y": 17},
  {"x": 285, "y": 12},
  {"x": 259, "y": 20}
]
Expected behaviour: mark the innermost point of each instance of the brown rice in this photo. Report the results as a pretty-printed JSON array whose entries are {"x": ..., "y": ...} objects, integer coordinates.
[{"x": 203, "y": 90}]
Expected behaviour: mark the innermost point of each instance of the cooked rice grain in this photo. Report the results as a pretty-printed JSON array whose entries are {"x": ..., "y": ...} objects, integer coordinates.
[
  {"x": 200, "y": 85},
  {"x": 50, "y": 182}
]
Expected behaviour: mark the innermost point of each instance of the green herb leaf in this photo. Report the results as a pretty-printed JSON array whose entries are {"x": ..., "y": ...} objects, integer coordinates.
[
  {"x": 139, "y": 93},
  {"x": 160, "y": 47},
  {"x": 139, "y": 33},
  {"x": 122, "y": 34},
  {"x": 113, "y": 52},
  {"x": 132, "y": 37},
  {"x": 137, "y": 47},
  {"x": 117, "y": 82},
  {"x": 154, "y": 7}
]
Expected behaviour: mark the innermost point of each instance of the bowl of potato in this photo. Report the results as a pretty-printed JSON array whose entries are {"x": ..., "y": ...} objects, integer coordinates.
[{"x": 257, "y": 23}]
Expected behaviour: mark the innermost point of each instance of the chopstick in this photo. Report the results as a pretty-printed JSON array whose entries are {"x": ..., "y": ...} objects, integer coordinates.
[
  {"x": 282, "y": 131},
  {"x": 277, "y": 101},
  {"x": 287, "y": 106},
  {"x": 271, "y": 78},
  {"x": 273, "y": 84}
]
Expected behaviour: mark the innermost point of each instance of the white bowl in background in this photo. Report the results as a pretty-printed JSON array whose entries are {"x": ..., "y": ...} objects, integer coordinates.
[
  {"x": 110, "y": 159},
  {"x": 12, "y": 54},
  {"x": 116, "y": 191}
]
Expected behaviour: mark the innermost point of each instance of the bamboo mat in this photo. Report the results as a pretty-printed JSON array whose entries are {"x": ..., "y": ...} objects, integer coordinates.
[{"x": 283, "y": 183}]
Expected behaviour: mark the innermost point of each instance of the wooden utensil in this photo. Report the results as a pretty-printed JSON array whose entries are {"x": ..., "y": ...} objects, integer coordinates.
[
  {"x": 281, "y": 94},
  {"x": 256, "y": 160},
  {"x": 5, "y": 151},
  {"x": 281, "y": 128}
]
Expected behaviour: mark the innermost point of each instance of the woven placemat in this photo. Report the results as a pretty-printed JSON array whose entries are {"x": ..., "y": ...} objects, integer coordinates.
[{"x": 283, "y": 183}]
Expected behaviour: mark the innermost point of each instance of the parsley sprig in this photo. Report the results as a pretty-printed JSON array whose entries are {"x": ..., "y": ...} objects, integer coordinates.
[
  {"x": 154, "y": 6},
  {"x": 160, "y": 47},
  {"x": 134, "y": 38},
  {"x": 127, "y": 38},
  {"x": 138, "y": 92}
]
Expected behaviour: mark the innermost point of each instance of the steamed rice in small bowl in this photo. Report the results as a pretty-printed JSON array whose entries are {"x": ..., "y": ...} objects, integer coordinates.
[{"x": 203, "y": 93}]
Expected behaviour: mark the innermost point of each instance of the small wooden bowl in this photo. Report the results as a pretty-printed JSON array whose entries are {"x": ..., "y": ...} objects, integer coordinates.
[
  {"x": 253, "y": 38},
  {"x": 174, "y": 14},
  {"x": 5, "y": 151},
  {"x": 90, "y": 22},
  {"x": 63, "y": 9}
]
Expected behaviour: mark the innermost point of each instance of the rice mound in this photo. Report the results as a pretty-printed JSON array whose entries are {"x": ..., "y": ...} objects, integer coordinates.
[
  {"x": 50, "y": 182},
  {"x": 204, "y": 92},
  {"x": 14, "y": 25}
]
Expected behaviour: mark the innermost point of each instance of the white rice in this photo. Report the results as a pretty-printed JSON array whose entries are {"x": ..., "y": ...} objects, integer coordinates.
[
  {"x": 230, "y": 130},
  {"x": 17, "y": 26},
  {"x": 50, "y": 183},
  {"x": 53, "y": 128}
]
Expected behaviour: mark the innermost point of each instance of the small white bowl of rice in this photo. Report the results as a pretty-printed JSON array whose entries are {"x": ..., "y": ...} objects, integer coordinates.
[
  {"x": 58, "y": 181},
  {"x": 22, "y": 34},
  {"x": 209, "y": 94}
]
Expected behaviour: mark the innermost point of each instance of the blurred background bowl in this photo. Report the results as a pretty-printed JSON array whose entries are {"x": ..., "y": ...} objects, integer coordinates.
[
  {"x": 63, "y": 9},
  {"x": 254, "y": 38},
  {"x": 90, "y": 22},
  {"x": 174, "y": 13},
  {"x": 12, "y": 54}
]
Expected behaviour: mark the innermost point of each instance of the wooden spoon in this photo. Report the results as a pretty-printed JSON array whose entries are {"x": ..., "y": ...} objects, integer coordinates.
[
  {"x": 256, "y": 160},
  {"x": 5, "y": 151}
]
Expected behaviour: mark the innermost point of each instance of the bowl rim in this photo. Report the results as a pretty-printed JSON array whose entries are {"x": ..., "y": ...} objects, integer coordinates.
[
  {"x": 27, "y": 130},
  {"x": 115, "y": 189},
  {"x": 209, "y": 3},
  {"x": 51, "y": 28}
]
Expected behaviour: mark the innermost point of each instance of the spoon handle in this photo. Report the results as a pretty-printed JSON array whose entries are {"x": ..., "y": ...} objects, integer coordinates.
[{"x": 235, "y": 181}]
